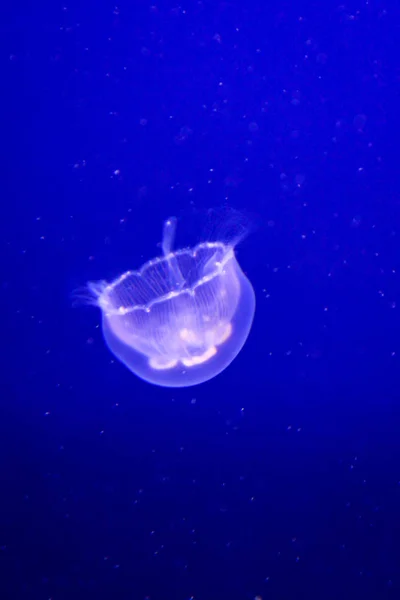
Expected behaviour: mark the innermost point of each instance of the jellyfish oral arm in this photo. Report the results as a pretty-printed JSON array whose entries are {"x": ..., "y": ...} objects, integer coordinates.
[
  {"x": 168, "y": 235},
  {"x": 175, "y": 274}
]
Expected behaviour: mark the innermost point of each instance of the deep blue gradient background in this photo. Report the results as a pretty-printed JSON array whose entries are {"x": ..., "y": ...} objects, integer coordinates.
[{"x": 280, "y": 477}]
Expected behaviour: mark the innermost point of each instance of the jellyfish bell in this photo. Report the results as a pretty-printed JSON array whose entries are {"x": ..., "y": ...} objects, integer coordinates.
[{"x": 183, "y": 317}]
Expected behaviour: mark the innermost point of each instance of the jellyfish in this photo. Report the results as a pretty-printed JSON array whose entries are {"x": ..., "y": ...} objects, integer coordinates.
[{"x": 183, "y": 317}]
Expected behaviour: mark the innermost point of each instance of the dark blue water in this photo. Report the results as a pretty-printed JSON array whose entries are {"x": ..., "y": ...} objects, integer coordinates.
[{"x": 279, "y": 478}]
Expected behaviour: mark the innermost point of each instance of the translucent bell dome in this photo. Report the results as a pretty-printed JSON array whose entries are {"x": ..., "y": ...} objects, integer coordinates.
[{"x": 181, "y": 318}]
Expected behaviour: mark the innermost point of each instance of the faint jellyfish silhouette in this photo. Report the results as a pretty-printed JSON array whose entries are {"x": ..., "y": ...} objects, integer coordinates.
[{"x": 181, "y": 318}]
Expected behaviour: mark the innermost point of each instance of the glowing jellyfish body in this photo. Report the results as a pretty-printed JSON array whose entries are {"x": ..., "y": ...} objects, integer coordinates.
[{"x": 183, "y": 317}]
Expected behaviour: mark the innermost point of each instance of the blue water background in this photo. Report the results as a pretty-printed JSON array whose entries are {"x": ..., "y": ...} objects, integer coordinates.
[{"x": 280, "y": 477}]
